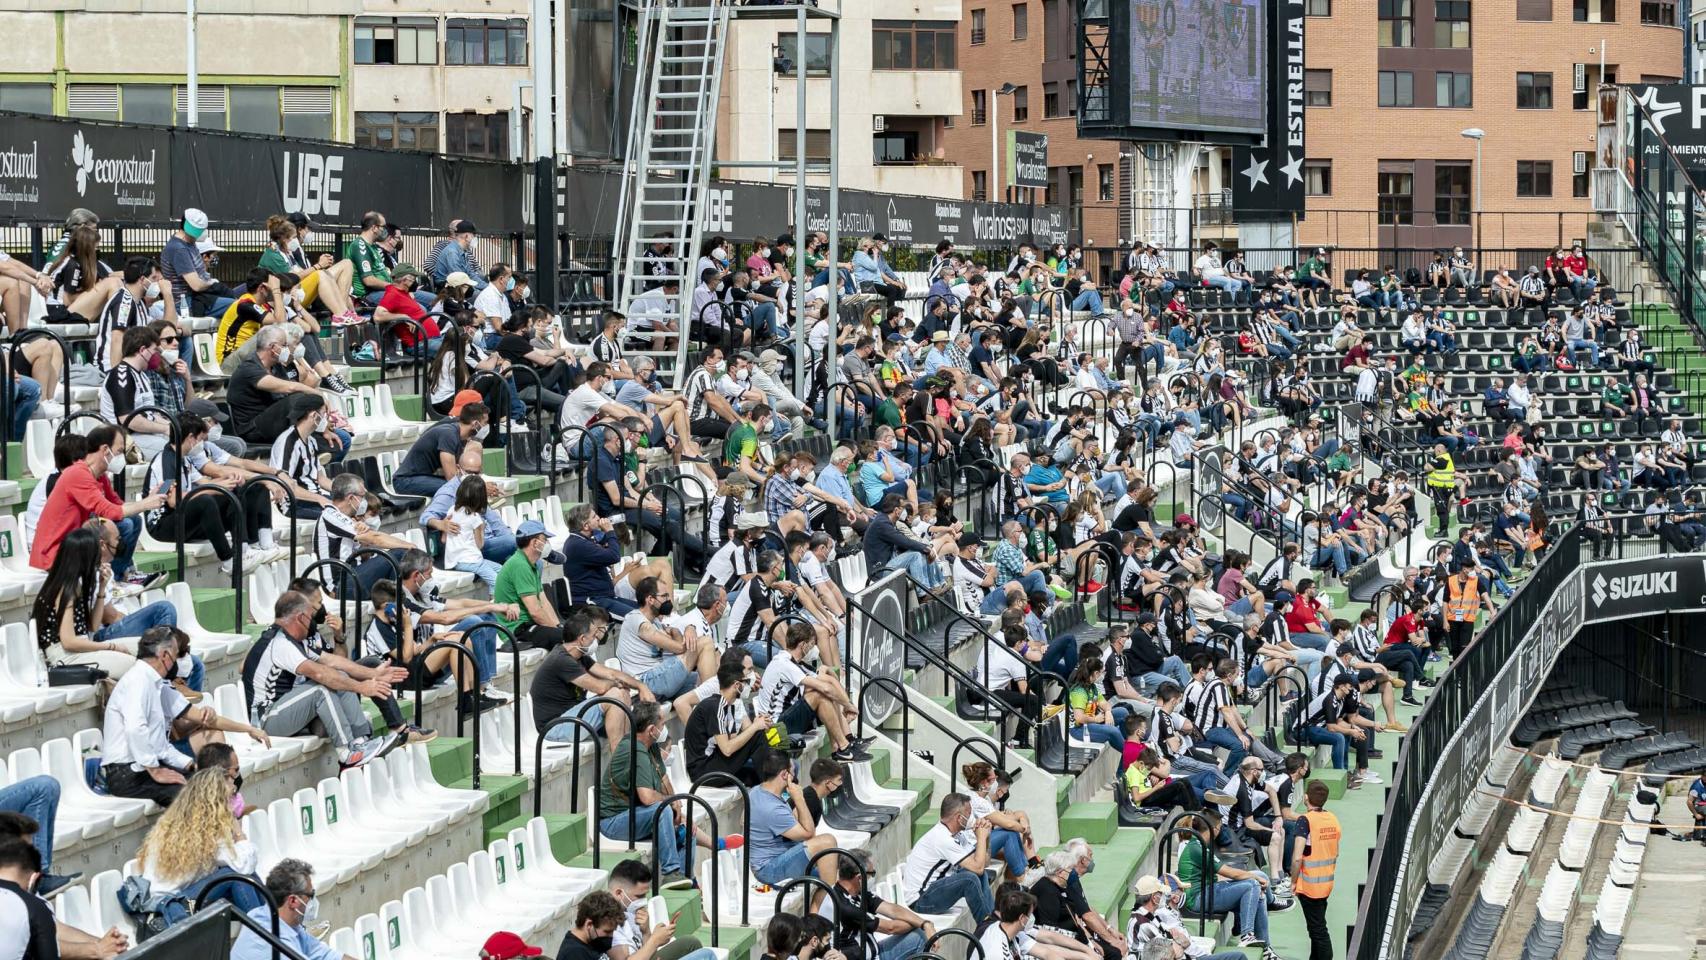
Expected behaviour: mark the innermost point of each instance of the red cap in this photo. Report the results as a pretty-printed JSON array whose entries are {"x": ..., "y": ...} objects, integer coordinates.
[
  {"x": 462, "y": 399},
  {"x": 504, "y": 945},
  {"x": 1184, "y": 520}
]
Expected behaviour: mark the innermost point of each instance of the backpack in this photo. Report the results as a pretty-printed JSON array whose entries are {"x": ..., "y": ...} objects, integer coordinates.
[
  {"x": 152, "y": 913},
  {"x": 1413, "y": 277}
]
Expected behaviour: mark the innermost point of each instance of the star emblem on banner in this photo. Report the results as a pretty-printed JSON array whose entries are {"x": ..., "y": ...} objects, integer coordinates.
[
  {"x": 1292, "y": 169},
  {"x": 1257, "y": 171}
]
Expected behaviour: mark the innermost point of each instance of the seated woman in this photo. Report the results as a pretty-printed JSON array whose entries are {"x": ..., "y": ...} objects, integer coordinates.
[
  {"x": 325, "y": 282},
  {"x": 460, "y": 359},
  {"x": 74, "y": 622},
  {"x": 1010, "y": 838},
  {"x": 198, "y": 845},
  {"x": 1092, "y": 717},
  {"x": 210, "y": 517}
]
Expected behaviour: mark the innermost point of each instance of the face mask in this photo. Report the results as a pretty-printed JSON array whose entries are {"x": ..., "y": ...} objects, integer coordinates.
[
  {"x": 311, "y": 912},
  {"x": 169, "y": 356},
  {"x": 299, "y": 352},
  {"x": 666, "y": 608},
  {"x": 609, "y": 388},
  {"x": 509, "y": 284},
  {"x": 320, "y": 423},
  {"x": 482, "y": 433},
  {"x": 215, "y": 432},
  {"x": 1087, "y": 869},
  {"x": 390, "y": 611},
  {"x": 744, "y": 375},
  {"x": 115, "y": 464},
  {"x": 601, "y": 944},
  {"x": 295, "y": 245},
  {"x": 663, "y": 736},
  {"x": 764, "y": 253},
  {"x": 152, "y": 291},
  {"x": 237, "y": 784},
  {"x": 172, "y": 672}
]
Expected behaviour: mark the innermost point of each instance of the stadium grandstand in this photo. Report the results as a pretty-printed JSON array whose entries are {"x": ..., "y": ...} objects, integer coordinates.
[{"x": 481, "y": 591}]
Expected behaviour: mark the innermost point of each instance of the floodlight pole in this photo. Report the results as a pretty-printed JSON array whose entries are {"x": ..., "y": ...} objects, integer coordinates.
[{"x": 192, "y": 81}]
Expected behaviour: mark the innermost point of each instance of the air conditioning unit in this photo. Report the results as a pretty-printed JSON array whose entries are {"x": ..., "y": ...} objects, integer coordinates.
[
  {"x": 1581, "y": 78},
  {"x": 1579, "y": 162},
  {"x": 877, "y": 123}
]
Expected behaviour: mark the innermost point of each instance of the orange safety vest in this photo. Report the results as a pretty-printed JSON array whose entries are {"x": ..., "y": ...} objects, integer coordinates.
[
  {"x": 1462, "y": 607},
  {"x": 1315, "y": 880}
]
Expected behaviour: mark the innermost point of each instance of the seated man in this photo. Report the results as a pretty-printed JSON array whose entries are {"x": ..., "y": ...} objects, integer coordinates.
[
  {"x": 638, "y": 938},
  {"x": 591, "y": 551},
  {"x": 499, "y": 541},
  {"x": 459, "y": 618},
  {"x": 27, "y": 810},
  {"x": 257, "y": 386},
  {"x": 393, "y": 639},
  {"x": 399, "y": 303},
  {"x": 1156, "y": 930},
  {"x": 569, "y": 679},
  {"x": 1246, "y": 893},
  {"x": 867, "y": 927},
  {"x": 535, "y": 621},
  {"x": 339, "y": 535},
  {"x": 144, "y": 714},
  {"x": 668, "y": 663},
  {"x": 721, "y": 736},
  {"x": 433, "y": 459},
  {"x": 946, "y": 866},
  {"x": 800, "y": 699},
  {"x": 784, "y": 835},
  {"x": 84, "y": 490},
  {"x": 888, "y": 548},
  {"x": 631, "y": 797},
  {"x": 289, "y": 685},
  {"x": 291, "y": 884}
]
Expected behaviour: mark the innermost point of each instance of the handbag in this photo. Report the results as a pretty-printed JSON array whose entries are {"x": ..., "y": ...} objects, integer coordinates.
[
  {"x": 75, "y": 675},
  {"x": 151, "y": 912}
]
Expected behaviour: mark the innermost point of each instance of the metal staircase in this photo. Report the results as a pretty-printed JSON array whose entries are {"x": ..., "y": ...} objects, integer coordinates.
[{"x": 671, "y": 139}]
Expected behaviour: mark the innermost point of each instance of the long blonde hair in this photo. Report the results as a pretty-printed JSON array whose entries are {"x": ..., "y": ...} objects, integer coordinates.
[{"x": 186, "y": 841}]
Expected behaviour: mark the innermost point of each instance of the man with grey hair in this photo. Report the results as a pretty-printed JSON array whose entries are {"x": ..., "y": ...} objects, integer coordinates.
[
  {"x": 291, "y": 883},
  {"x": 1157, "y": 931},
  {"x": 1102, "y": 936},
  {"x": 947, "y": 864},
  {"x": 290, "y": 683},
  {"x": 259, "y": 382}
]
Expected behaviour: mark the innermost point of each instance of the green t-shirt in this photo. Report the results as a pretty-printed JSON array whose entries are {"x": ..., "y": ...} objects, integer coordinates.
[
  {"x": 613, "y": 792},
  {"x": 1310, "y": 268},
  {"x": 888, "y": 414},
  {"x": 368, "y": 263},
  {"x": 517, "y": 578},
  {"x": 813, "y": 261},
  {"x": 276, "y": 262},
  {"x": 1084, "y": 698},
  {"x": 1190, "y": 869},
  {"x": 742, "y": 442},
  {"x": 1613, "y": 393}
]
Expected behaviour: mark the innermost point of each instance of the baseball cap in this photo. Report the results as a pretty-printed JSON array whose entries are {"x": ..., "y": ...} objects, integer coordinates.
[
  {"x": 1146, "y": 617},
  {"x": 1184, "y": 520},
  {"x": 882, "y": 238},
  {"x": 751, "y": 520},
  {"x": 205, "y": 409},
  {"x": 195, "y": 223},
  {"x": 970, "y": 540},
  {"x": 462, "y": 399},
  {"x": 459, "y": 279},
  {"x": 768, "y": 357},
  {"x": 504, "y": 945},
  {"x": 529, "y": 528},
  {"x": 1149, "y": 886},
  {"x": 1282, "y": 596},
  {"x": 208, "y": 246},
  {"x": 298, "y": 219},
  {"x": 406, "y": 270},
  {"x": 465, "y": 226}
]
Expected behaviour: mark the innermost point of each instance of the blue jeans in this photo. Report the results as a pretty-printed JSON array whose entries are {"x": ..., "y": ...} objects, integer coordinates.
[
  {"x": 217, "y": 886},
  {"x": 1007, "y": 845},
  {"x": 785, "y": 866},
  {"x": 342, "y": 451},
  {"x": 1309, "y": 641},
  {"x": 1104, "y": 733},
  {"x": 129, "y": 531},
  {"x": 484, "y": 644},
  {"x": 486, "y": 570},
  {"x": 498, "y": 547},
  {"x": 759, "y": 651},
  {"x": 1234, "y": 287},
  {"x": 959, "y": 885},
  {"x": 898, "y": 948},
  {"x": 36, "y": 798},
  {"x": 1591, "y": 346},
  {"x": 926, "y": 573},
  {"x": 26, "y": 397},
  {"x": 1061, "y": 656},
  {"x": 1172, "y": 668},
  {"x": 655, "y": 817},
  {"x": 1322, "y": 736},
  {"x": 158, "y": 613},
  {"x": 1089, "y": 299},
  {"x": 1331, "y": 556},
  {"x": 565, "y": 732},
  {"x": 1224, "y": 737},
  {"x": 417, "y": 484},
  {"x": 1244, "y": 898},
  {"x": 1112, "y": 484}
]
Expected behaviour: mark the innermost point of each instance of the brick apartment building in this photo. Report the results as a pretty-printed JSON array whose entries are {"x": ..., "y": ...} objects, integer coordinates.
[{"x": 1390, "y": 86}]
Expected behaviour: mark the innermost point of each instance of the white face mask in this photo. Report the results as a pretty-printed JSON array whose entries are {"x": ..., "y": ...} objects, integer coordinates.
[
  {"x": 216, "y": 431},
  {"x": 481, "y": 433},
  {"x": 170, "y": 356},
  {"x": 320, "y": 423},
  {"x": 311, "y": 912},
  {"x": 298, "y": 295},
  {"x": 300, "y": 351},
  {"x": 295, "y": 245},
  {"x": 152, "y": 291},
  {"x": 115, "y": 463},
  {"x": 764, "y": 253},
  {"x": 609, "y": 388}
]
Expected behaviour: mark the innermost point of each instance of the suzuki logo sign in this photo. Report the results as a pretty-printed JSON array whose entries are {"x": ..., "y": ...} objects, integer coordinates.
[
  {"x": 720, "y": 211},
  {"x": 316, "y": 184},
  {"x": 1632, "y": 587}
]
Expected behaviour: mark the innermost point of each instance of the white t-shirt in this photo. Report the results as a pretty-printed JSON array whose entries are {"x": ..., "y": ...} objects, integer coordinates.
[
  {"x": 1210, "y": 267},
  {"x": 1004, "y": 667},
  {"x": 781, "y": 686},
  {"x": 460, "y": 547},
  {"x": 934, "y": 857},
  {"x": 582, "y": 405},
  {"x": 636, "y": 654},
  {"x": 996, "y": 945}
]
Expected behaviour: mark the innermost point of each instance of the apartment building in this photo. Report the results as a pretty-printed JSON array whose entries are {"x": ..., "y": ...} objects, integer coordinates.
[
  {"x": 420, "y": 74},
  {"x": 901, "y": 97},
  {"x": 1391, "y": 86}
]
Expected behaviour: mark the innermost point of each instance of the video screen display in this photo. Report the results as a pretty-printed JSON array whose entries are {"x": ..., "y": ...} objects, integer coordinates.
[{"x": 1199, "y": 65}]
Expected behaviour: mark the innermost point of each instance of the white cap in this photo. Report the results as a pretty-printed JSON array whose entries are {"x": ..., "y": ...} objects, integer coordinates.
[
  {"x": 208, "y": 246},
  {"x": 195, "y": 223}
]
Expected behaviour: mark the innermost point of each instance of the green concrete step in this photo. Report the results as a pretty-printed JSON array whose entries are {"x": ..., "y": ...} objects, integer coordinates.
[
  {"x": 1062, "y": 794},
  {"x": 216, "y": 609},
  {"x": 1095, "y": 822}
]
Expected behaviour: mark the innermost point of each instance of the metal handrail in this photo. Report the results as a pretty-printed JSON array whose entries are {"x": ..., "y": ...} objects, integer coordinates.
[
  {"x": 666, "y": 542},
  {"x": 1205, "y": 905},
  {"x": 574, "y": 763},
  {"x": 690, "y": 799},
  {"x": 715, "y": 777},
  {"x": 419, "y": 361},
  {"x": 289, "y": 513},
  {"x": 419, "y": 664},
  {"x": 238, "y": 535}
]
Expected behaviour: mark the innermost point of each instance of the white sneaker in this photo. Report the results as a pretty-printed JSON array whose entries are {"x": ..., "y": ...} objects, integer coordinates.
[
  {"x": 1369, "y": 776},
  {"x": 492, "y": 691},
  {"x": 49, "y": 410}
]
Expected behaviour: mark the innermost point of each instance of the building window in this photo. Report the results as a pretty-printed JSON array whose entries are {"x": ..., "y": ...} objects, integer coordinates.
[
  {"x": 1534, "y": 91},
  {"x": 1534, "y": 178},
  {"x": 1021, "y": 104},
  {"x": 485, "y": 42},
  {"x": 1534, "y": 10},
  {"x": 1317, "y": 88},
  {"x": 1072, "y": 98},
  {"x": 1451, "y": 194},
  {"x": 477, "y": 134},
  {"x": 980, "y": 185},
  {"x": 1658, "y": 13},
  {"x": 1595, "y": 11},
  {"x": 1397, "y": 23},
  {"x": 1318, "y": 8},
  {"x": 1397, "y": 88},
  {"x": 817, "y": 145},
  {"x": 1579, "y": 174},
  {"x": 817, "y": 52},
  {"x": 979, "y": 107},
  {"x": 977, "y": 26},
  {"x": 1104, "y": 182},
  {"x": 143, "y": 103},
  {"x": 397, "y": 131},
  {"x": 1021, "y": 21},
  {"x": 905, "y": 45},
  {"x": 97, "y": 101},
  {"x": 1053, "y": 46},
  {"x": 405, "y": 40},
  {"x": 1451, "y": 24},
  {"x": 1051, "y": 100},
  {"x": 1452, "y": 89},
  {"x": 27, "y": 97},
  {"x": 1318, "y": 178},
  {"x": 1051, "y": 193},
  {"x": 1397, "y": 202},
  {"x": 891, "y": 148}
]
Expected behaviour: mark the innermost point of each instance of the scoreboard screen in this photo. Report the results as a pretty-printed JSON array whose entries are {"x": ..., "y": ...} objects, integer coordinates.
[{"x": 1199, "y": 65}]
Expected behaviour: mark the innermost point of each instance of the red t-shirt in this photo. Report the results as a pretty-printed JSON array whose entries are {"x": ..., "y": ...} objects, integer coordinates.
[
  {"x": 77, "y": 495},
  {"x": 396, "y": 300},
  {"x": 1358, "y": 354},
  {"x": 1576, "y": 265},
  {"x": 1304, "y": 615},
  {"x": 1402, "y": 628}
]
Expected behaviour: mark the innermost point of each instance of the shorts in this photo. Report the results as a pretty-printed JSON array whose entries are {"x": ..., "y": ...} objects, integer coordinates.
[
  {"x": 784, "y": 866},
  {"x": 670, "y": 678},
  {"x": 799, "y": 717},
  {"x": 1365, "y": 674},
  {"x": 310, "y": 286},
  {"x": 656, "y": 436}
]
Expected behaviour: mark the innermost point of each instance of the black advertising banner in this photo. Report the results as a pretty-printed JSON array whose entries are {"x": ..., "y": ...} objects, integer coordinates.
[
  {"x": 881, "y": 653},
  {"x": 478, "y": 190},
  {"x": 1027, "y": 159},
  {"x": 248, "y": 178},
  {"x": 49, "y": 166},
  {"x": 922, "y": 221},
  {"x": 1678, "y": 113},
  {"x": 1620, "y": 590},
  {"x": 1269, "y": 179}
]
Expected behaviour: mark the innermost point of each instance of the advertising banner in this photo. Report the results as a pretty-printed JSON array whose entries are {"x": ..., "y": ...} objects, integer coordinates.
[
  {"x": 1678, "y": 113},
  {"x": 881, "y": 653},
  {"x": 49, "y": 166},
  {"x": 1269, "y": 178},
  {"x": 251, "y": 178},
  {"x": 1027, "y": 159}
]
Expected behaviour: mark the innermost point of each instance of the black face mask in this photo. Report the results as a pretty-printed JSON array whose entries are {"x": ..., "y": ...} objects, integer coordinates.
[
  {"x": 601, "y": 944},
  {"x": 237, "y": 784},
  {"x": 666, "y": 608},
  {"x": 172, "y": 674}
]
